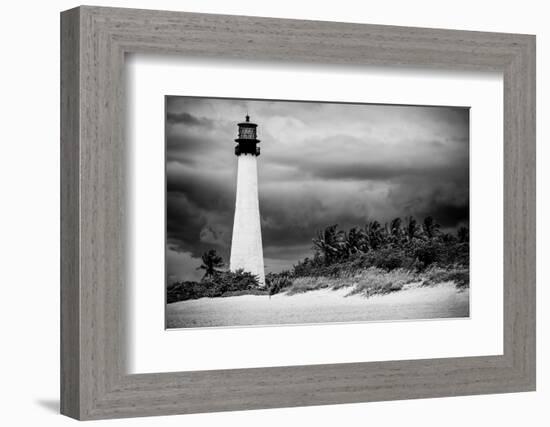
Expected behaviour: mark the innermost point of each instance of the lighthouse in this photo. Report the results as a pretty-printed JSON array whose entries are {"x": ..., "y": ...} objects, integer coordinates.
[{"x": 246, "y": 243}]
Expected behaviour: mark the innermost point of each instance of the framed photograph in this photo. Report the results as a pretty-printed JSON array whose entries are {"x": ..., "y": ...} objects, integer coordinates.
[
  {"x": 363, "y": 211},
  {"x": 262, "y": 213}
]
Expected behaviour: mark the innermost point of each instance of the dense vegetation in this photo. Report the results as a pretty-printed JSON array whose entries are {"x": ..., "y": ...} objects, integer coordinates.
[
  {"x": 373, "y": 259},
  {"x": 410, "y": 246},
  {"x": 214, "y": 283},
  {"x": 221, "y": 283}
]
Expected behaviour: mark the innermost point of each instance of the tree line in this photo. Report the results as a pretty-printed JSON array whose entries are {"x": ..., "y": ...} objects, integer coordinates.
[
  {"x": 396, "y": 244},
  {"x": 408, "y": 244}
]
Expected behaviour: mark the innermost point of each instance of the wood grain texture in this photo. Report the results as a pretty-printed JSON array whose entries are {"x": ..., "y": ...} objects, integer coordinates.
[
  {"x": 70, "y": 314},
  {"x": 94, "y": 381}
]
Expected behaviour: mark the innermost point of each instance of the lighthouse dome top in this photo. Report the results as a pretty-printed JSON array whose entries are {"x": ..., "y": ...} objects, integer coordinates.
[{"x": 247, "y": 123}]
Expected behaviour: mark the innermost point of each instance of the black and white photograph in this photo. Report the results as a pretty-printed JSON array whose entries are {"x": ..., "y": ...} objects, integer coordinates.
[{"x": 298, "y": 212}]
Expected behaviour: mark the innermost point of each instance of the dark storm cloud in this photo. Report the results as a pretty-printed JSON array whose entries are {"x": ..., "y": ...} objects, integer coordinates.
[
  {"x": 321, "y": 164},
  {"x": 193, "y": 144},
  {"x": 449, "y": 215},
  {"x": 195, "y": 230},
  {"x": 198, "y": 209},
  {"x": 205, "y": 189},
  {"x": 357, "y": 170},
  {"x": 186, "y": 119}
]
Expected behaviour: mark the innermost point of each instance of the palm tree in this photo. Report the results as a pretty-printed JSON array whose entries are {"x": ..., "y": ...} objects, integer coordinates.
[
  {"x": 463, "y": 234},
  {"x": 395, "y": 230},
  {"x": 411, "y": 229},
  {"x": 374, "y": 234},
  {"x": 356, "y": 241},
  {"x": 448, "y": 238},
  {"x": 210, "y": 262},
  {"x": 430, "y": 227},
  {"x": 329, "y": 243}
]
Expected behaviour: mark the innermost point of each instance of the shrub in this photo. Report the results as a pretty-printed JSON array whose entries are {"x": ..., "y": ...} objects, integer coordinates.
[
  {"x": 245, "y": 292},
  {"x": 308, "y": 266},
  {"x": 366, "y": 282},
  {"x": 218, "y": 285},
  {"x": 389, "y": 258},
  {"x": 306, "y": 284},
  {"x": 427, "y": 253},
  {"x": 460, "y": 277},
  {"x": 276, "y": 282},
  {"x": 239, "y": 280},
  {"x": 182, "y": 291},
  {"x": 375, "y": 281}
]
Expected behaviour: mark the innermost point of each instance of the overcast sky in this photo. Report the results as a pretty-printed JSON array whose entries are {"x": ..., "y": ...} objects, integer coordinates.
[{"x": 320, "y": 164}]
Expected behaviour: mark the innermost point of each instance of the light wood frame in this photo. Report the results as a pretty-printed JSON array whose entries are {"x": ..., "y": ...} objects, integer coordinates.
[{"x": 94, "y": 41}]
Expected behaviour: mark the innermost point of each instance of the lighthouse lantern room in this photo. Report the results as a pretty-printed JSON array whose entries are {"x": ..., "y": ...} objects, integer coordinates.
[{"x": 247, "y": 140}]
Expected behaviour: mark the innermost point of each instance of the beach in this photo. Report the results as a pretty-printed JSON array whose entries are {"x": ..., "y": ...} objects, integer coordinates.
[{"x": 321, "y": 306}]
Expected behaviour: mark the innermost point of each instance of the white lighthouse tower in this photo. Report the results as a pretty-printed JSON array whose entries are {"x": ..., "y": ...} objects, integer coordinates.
[{"x": 246, "y": 242}]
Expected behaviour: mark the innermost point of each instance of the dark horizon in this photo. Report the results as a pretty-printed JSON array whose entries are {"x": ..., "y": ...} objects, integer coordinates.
[{"x": 320, "y": 164}]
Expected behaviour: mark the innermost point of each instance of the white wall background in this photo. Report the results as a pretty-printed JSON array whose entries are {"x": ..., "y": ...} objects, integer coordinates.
[{"x": 29, "y": 215}]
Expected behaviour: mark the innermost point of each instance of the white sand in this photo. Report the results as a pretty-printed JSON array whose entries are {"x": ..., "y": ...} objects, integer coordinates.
[{"x": 413, "y": 302}]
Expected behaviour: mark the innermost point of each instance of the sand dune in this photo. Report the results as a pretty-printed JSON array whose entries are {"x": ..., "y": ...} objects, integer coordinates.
[{"x": 321, "y": 306}]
